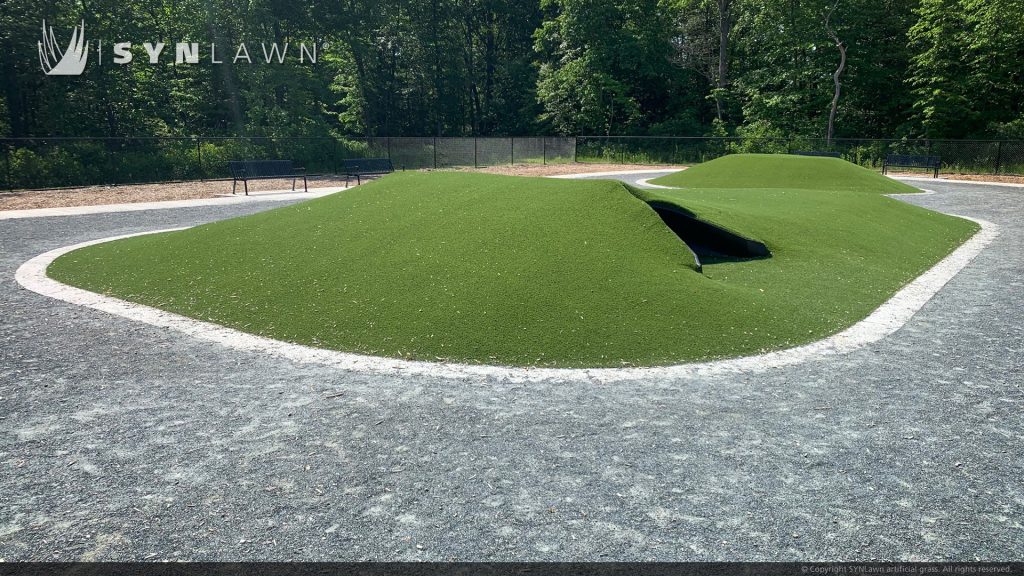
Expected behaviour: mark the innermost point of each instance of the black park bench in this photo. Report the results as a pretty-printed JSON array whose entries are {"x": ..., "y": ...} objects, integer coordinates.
[
  {"x": 359, "y": 167},
  {"x": 907, "y": 161},
  {"x": 817, "y": 153},
  {"x": 245, "y": 170}
]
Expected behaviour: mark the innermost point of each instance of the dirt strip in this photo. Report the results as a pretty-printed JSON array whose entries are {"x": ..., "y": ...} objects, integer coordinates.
[
  {"x": 981, "y": 178},
  {"x": 130, "y": 194}
]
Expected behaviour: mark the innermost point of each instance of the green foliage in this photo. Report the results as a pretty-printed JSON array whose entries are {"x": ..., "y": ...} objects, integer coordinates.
[
  {"x": 966, "y": 73},
  {"x": 1012, "y": 130},
  {"x": 605, "y": 67},
  {"x": 435, "y": 67},
  {"x": 785, "y": 60},
  {"x": 937, "y": 68},
  {"x": 56, "y": 163},
  {"x": 759, "y": 137}
]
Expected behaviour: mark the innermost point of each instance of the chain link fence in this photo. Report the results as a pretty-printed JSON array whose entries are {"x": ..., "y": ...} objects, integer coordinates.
[
  {"x": 38, "y": 163},
  {"x": 1003, "y": 157}
]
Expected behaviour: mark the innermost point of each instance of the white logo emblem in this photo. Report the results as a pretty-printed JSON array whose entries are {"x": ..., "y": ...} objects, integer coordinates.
[{"x": 69, "y": 62}]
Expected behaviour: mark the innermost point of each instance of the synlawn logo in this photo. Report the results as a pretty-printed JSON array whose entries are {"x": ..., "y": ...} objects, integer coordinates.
[
  {"x": 72, "y": 60},
  {"x": 68, "y": 62}
]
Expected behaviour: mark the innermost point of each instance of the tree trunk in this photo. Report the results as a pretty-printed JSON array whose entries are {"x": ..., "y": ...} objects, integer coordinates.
[
  {"x": 435, "y": 41},
  {"x": 835, "y": 76},
  {"x": 474, "y": 94},
  {"x": 13, "y": 93},
  {"x": 838, "y": 89},
  {"x": 724, "y": 25},
  {"x": 490, "y": 69},
  {"x": 280, "y": 89},
  {"x": 361, "y": 84}
]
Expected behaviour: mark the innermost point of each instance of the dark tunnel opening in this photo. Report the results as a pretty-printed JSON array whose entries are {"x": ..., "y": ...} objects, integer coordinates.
[{"x": 710, "y": 244}]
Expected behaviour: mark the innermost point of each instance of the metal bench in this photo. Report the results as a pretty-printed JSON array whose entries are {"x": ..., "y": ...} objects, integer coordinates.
[
  {"x": 907, "y": 161},
  {"x": 245, "y": 170},
  {"x": 817, "y": 153},
  {"x": 359, "y": 167}
]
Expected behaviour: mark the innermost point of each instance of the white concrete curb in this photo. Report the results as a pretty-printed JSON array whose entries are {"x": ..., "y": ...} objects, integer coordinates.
[
  {"x": 618, "y": 173},
  {"x": 220, "y": 200},
  {"x": 886, "y": 319},
  {"x": 647, "y": 182}
]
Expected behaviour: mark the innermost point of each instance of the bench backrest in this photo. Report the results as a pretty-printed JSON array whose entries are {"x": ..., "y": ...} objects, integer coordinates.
[
  {"x": 367, "y": 166},
  {"x": 261, "y": 168},
  {"x": 817, "y": 153},
  {"x": 910, "y": 161}
]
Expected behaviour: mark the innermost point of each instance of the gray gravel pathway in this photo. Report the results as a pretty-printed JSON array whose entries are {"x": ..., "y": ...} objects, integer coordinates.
[{"x": 121, "y": 441}]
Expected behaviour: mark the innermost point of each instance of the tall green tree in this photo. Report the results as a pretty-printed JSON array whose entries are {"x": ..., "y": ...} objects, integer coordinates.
[
  {"x": 786, "y": 57},
  {"x": 965, "y": 71},
  {"x": 606, "y": 66},
  {"x": 937, "y": 68},
  {"x": 703, "y": 40}
]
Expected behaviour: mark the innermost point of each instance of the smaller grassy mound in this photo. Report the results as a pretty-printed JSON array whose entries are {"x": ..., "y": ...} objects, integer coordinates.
[{"x": 784, "y": 171}]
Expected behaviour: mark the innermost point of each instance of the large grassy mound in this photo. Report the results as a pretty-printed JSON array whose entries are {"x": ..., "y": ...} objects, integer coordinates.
[
  {"x": 784, "y": 171},
  {"x": 522, "y": 271}
]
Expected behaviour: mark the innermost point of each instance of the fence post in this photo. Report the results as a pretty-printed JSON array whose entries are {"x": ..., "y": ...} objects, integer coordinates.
[
  {"x": 7, "y": 164},
  {"x": 512, "y": 157},
  {"x": 575, "y": 149},
  {"x": 199, "y": 158},
  {"x": 106, "y": 161},
  {"x": 389, "y": 147},
  {"x": 544, "y": 147},
  {"x": 999, "y": 156},
  {"x": 435, "y": 152},
  {"x": 475, "y": 153}
]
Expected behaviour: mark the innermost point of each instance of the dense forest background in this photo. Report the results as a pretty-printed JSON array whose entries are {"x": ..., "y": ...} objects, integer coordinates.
[{"x": 912, "y": 68}]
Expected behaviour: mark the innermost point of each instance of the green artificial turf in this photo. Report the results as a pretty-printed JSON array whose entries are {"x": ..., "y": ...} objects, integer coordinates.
[
  {"x": 525, "y": 271},
  {"x": 783, "y": 171}
]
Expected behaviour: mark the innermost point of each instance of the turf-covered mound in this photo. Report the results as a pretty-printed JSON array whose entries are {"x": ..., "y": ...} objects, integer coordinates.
[
  {"x": 522, "y": 271},
  {"x": 784, "y": 171}
]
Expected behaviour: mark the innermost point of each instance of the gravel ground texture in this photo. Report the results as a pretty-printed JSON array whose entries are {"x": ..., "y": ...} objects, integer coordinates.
[{"x": 122, "y": 441}]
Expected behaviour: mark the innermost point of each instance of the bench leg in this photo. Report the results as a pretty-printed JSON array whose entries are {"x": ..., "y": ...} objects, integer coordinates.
[
  {"x": 246, "y": 184},
  {"x": 305, "y": 185},
  {"x": 293, "y": 184},
  {"x": 359, "y": 179},
  {"x": 234, "y": 185}
]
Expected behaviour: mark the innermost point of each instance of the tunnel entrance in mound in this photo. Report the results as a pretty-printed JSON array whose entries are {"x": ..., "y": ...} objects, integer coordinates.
[{"x": 709, "y": 243}]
